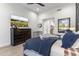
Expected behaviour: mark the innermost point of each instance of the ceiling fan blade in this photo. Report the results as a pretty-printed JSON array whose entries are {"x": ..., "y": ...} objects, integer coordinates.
[
  {"x": 41, "y": 4},
  {"x": 30, "y": 3},
  {"x": 36, "y": 3}
]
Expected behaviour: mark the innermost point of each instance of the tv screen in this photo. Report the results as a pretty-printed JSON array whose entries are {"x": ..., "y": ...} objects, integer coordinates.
[{"x": 19, "y": 21}]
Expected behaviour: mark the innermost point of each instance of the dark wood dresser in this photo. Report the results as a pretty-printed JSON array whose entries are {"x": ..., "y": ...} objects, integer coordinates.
[{"x": 19, "y": 36}]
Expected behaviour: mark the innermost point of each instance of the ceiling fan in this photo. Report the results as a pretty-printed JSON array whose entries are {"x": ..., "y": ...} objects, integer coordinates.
[{"x": 36, "y": 3}]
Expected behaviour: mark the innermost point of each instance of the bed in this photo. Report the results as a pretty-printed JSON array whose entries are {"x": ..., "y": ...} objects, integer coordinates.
[
  {"x": 56, "y": 49},
  {"x": 38, "y": 46}
]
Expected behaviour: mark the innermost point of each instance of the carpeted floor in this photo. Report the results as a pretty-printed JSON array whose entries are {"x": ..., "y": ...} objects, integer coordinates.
[{"x": 12, "y": 50}]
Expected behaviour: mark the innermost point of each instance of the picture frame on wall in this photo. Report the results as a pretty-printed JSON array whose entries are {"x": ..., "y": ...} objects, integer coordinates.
[{"x": 63, "y": 24}]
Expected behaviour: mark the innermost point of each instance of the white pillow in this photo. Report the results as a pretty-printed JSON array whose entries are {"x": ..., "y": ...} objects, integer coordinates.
[
  {"x": 47, "y": 35},
  {"x": 76, "y": 44}
]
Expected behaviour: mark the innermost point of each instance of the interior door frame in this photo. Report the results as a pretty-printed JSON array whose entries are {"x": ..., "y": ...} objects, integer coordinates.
[{"x": 44, "y": 20}]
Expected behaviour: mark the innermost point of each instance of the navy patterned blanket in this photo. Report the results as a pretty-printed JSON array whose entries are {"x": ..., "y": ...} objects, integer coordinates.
[{"x": 42, "y": 46}]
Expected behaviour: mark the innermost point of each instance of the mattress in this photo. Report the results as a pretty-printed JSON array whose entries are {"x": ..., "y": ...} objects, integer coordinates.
[{"x": 56, "y": 49}]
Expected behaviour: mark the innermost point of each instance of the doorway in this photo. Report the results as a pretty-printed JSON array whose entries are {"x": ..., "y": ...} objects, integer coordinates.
[{"x": 48, "y": 26}]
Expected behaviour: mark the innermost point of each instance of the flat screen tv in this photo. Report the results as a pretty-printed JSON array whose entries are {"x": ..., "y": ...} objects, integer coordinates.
[{"x": 19, "y": 22}]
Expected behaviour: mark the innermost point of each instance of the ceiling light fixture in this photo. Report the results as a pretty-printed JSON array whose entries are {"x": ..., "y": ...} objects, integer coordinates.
[{"x": 59, "y": 9}]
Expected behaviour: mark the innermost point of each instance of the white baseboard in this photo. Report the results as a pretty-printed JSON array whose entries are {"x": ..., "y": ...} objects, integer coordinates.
[{"x": 4, "y": 45}]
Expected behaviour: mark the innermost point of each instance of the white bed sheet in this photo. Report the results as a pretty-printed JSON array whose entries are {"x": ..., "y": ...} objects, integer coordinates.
[
  {"x": 56, "y": 49},
  {"x": 31, "y": 53}
]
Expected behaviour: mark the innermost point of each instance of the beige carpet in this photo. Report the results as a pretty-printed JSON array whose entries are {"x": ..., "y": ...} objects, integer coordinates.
[{"x": 12, "y": 50}]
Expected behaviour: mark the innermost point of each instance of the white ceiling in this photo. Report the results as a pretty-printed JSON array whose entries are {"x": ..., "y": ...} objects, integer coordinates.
[{"x": 48, "y": 6}]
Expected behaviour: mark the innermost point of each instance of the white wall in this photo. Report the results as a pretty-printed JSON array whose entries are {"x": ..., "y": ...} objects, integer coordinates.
[
  {"x": 6, "y": 10},
  {"x": 67, "y": 11}
]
